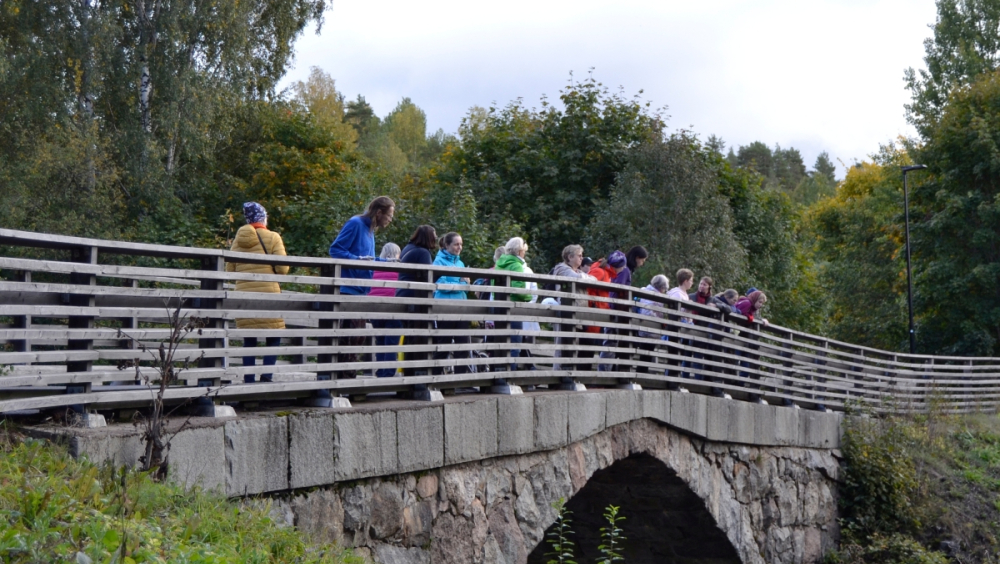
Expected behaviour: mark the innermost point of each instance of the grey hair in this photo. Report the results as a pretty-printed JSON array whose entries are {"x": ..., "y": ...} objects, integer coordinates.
[
  {"x": 498, "y": 253},
  {"x": 571, "y": 250},
  {"x": 390, "y": 251},
  {"x": 660, "y": 282},
  {"x": 514, "y": 246}
]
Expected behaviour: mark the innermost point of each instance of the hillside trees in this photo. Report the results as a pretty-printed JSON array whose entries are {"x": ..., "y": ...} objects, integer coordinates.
[
  {"x": 858, "y": 243},
  {"x": 667, "y": 198},
  {"x": 955, "y": 236},
  {"x": 966, "y": 45},
  {"x": 110, "y": 103},
  {"x": 549, "y": 169}
]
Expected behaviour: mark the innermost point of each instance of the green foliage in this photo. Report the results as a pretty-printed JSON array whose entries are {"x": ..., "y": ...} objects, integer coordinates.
[
  {"x": 782, "y": 169},
  {"x": 764, "y": 224},
  {"x": 80, "y": 145},
  {"x": 926, "y": 480},
  {"x": 956, "y": 245},
  {"x": 885, "y": 549},
  {"x": 858, "y": 240},
  {"x": 667, "y": 199},
  {"x": 966, "y": 45},
  {"x": 877, "y": 493},
  {"x": 53, "y": 507},
  {"x": 611, "y": 537},
  {"x": 548, "y": 170},
  {"x": 558, "y": 537},
  {"x": 326, "y": 106}
]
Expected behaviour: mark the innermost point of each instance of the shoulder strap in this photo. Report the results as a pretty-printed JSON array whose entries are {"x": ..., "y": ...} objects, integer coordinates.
[{"x": 262, "y": 245}]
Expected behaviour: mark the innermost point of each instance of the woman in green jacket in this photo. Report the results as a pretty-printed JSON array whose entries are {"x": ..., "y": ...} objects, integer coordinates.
[{"x": 513, "y": 260}]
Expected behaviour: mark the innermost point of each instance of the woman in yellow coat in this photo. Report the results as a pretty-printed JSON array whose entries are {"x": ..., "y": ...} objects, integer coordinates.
[{"x": 254, "y": 237}]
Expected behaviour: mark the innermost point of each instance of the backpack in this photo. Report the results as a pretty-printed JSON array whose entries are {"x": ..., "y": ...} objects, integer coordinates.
[
  {"x": 551, "y": 286},
  {"x": 482, "y": 295}
]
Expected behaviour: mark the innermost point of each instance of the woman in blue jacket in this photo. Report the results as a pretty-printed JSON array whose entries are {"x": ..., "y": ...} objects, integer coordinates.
[
  {"x": 356, "y": 241},
  {"x": 449, "y": 256}
]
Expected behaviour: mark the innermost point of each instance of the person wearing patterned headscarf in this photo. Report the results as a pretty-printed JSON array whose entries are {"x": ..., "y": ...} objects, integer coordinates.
[{"x": 254, "y": 237}]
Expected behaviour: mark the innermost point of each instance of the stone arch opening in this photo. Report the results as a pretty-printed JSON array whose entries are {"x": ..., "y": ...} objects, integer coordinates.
[{"x": 666, "y": 522}]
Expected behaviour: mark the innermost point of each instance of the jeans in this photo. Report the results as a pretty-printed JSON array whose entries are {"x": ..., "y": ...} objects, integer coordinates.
[
  {"x": 518, "y": 339},
  {"x": 269, "y": 360},
  {"x": 386, "y": 341}
]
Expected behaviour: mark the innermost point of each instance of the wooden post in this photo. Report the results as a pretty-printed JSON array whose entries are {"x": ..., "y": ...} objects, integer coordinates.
[
  {"x": 87, "y": 255},
  {"x": 324, "y": 339},
  {"x": 22, "y": 321},
  {"x": 214, "y": 264}
]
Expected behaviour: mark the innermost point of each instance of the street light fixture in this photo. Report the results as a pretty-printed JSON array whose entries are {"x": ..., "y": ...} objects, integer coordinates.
[{"x": 909, "y": 275}]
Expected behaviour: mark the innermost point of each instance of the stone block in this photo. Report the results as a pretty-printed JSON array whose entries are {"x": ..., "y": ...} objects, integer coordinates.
[
  {"x": 586, "y": 414},
  {"x": 119, "y": 449},
  {"x": 551, "y": 420},
  {"x": 421, "y": 438},
  {"x": 742, "y": 416},
  {"x": 656, "y": 405},
  {"x": 786, "y": 425},
  {"x": 623, "y": 406},
  {"x": 310, "y": 449},
  {"x": 688, "y": 412},
  {"x": 470, "y": 430},
  {"x": 364, "y": 444},
  {"x": 198, "y": 457},
  {"x": 516, "y": 424},
  {"x": 256, "y": 455},
  {"x": 717, "y": 419},
  {"x": 764, "y": 425},
  {"x": 818, "y": 429},
  {"x": 391, "y": 554}
]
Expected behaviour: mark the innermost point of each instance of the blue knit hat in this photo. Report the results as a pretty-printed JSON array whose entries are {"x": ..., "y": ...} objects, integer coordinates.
[
  {"x": 617, "y": 259},
  {"x": 254, "y": 212},
  {"x": 750, "y": 290}
]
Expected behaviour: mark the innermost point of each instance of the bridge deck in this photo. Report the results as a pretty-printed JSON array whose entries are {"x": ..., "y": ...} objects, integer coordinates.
[{"x": 81, "y": 317}]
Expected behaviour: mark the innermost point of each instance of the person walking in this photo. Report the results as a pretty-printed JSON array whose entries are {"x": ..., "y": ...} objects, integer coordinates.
[
  {"x": 255, "y": 237},
  {"x": 610, "y": 269},
  {"x": 390, "y": 252},
  {"x": 422, "y": 244},
  {"x": 634, "y": 259},
  {"x": 749, "y": 306},
  {"x": 513, "y": 260},
  {"x": 658, "y": 284},
  {"x": 570, "y": 267},
  {"x": 449, "y": 256},
  {"x": 356, "y": 241}
]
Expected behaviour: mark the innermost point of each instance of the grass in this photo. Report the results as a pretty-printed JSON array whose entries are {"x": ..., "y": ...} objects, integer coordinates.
[{"x": 57, "y": 509}]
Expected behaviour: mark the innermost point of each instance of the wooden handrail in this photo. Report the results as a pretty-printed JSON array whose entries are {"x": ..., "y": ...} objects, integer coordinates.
[{"x": 717, "y": 353}]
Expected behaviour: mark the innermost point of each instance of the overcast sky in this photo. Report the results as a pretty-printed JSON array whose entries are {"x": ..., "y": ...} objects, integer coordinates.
[{"x": 815, "y": 75}]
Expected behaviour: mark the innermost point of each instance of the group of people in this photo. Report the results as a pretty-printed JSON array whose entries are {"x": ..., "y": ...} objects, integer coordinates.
[{"x": 356, "y": 241}]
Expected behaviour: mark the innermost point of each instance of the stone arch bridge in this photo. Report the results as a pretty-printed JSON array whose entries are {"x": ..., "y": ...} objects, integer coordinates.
[
  {"x": 473, "y": 479},
  {"x": 716, "y": 434}
]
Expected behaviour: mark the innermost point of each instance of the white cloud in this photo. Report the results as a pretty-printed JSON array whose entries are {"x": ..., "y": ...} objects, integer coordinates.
[{"x": 817, "y": 75}]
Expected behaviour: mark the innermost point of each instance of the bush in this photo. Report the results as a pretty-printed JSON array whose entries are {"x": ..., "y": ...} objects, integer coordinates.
[{"x": 892, "y": 549}]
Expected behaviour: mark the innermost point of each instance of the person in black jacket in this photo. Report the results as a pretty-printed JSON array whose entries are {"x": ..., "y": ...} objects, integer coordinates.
[{"x": 419, "y": 250}]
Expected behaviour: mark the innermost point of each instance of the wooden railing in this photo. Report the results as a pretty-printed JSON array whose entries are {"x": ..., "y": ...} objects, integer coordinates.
[{"x": 73, "y": 310}]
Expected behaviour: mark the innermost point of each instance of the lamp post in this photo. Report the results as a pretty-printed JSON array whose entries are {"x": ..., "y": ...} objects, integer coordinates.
[{"x": 909, "y": 275}]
